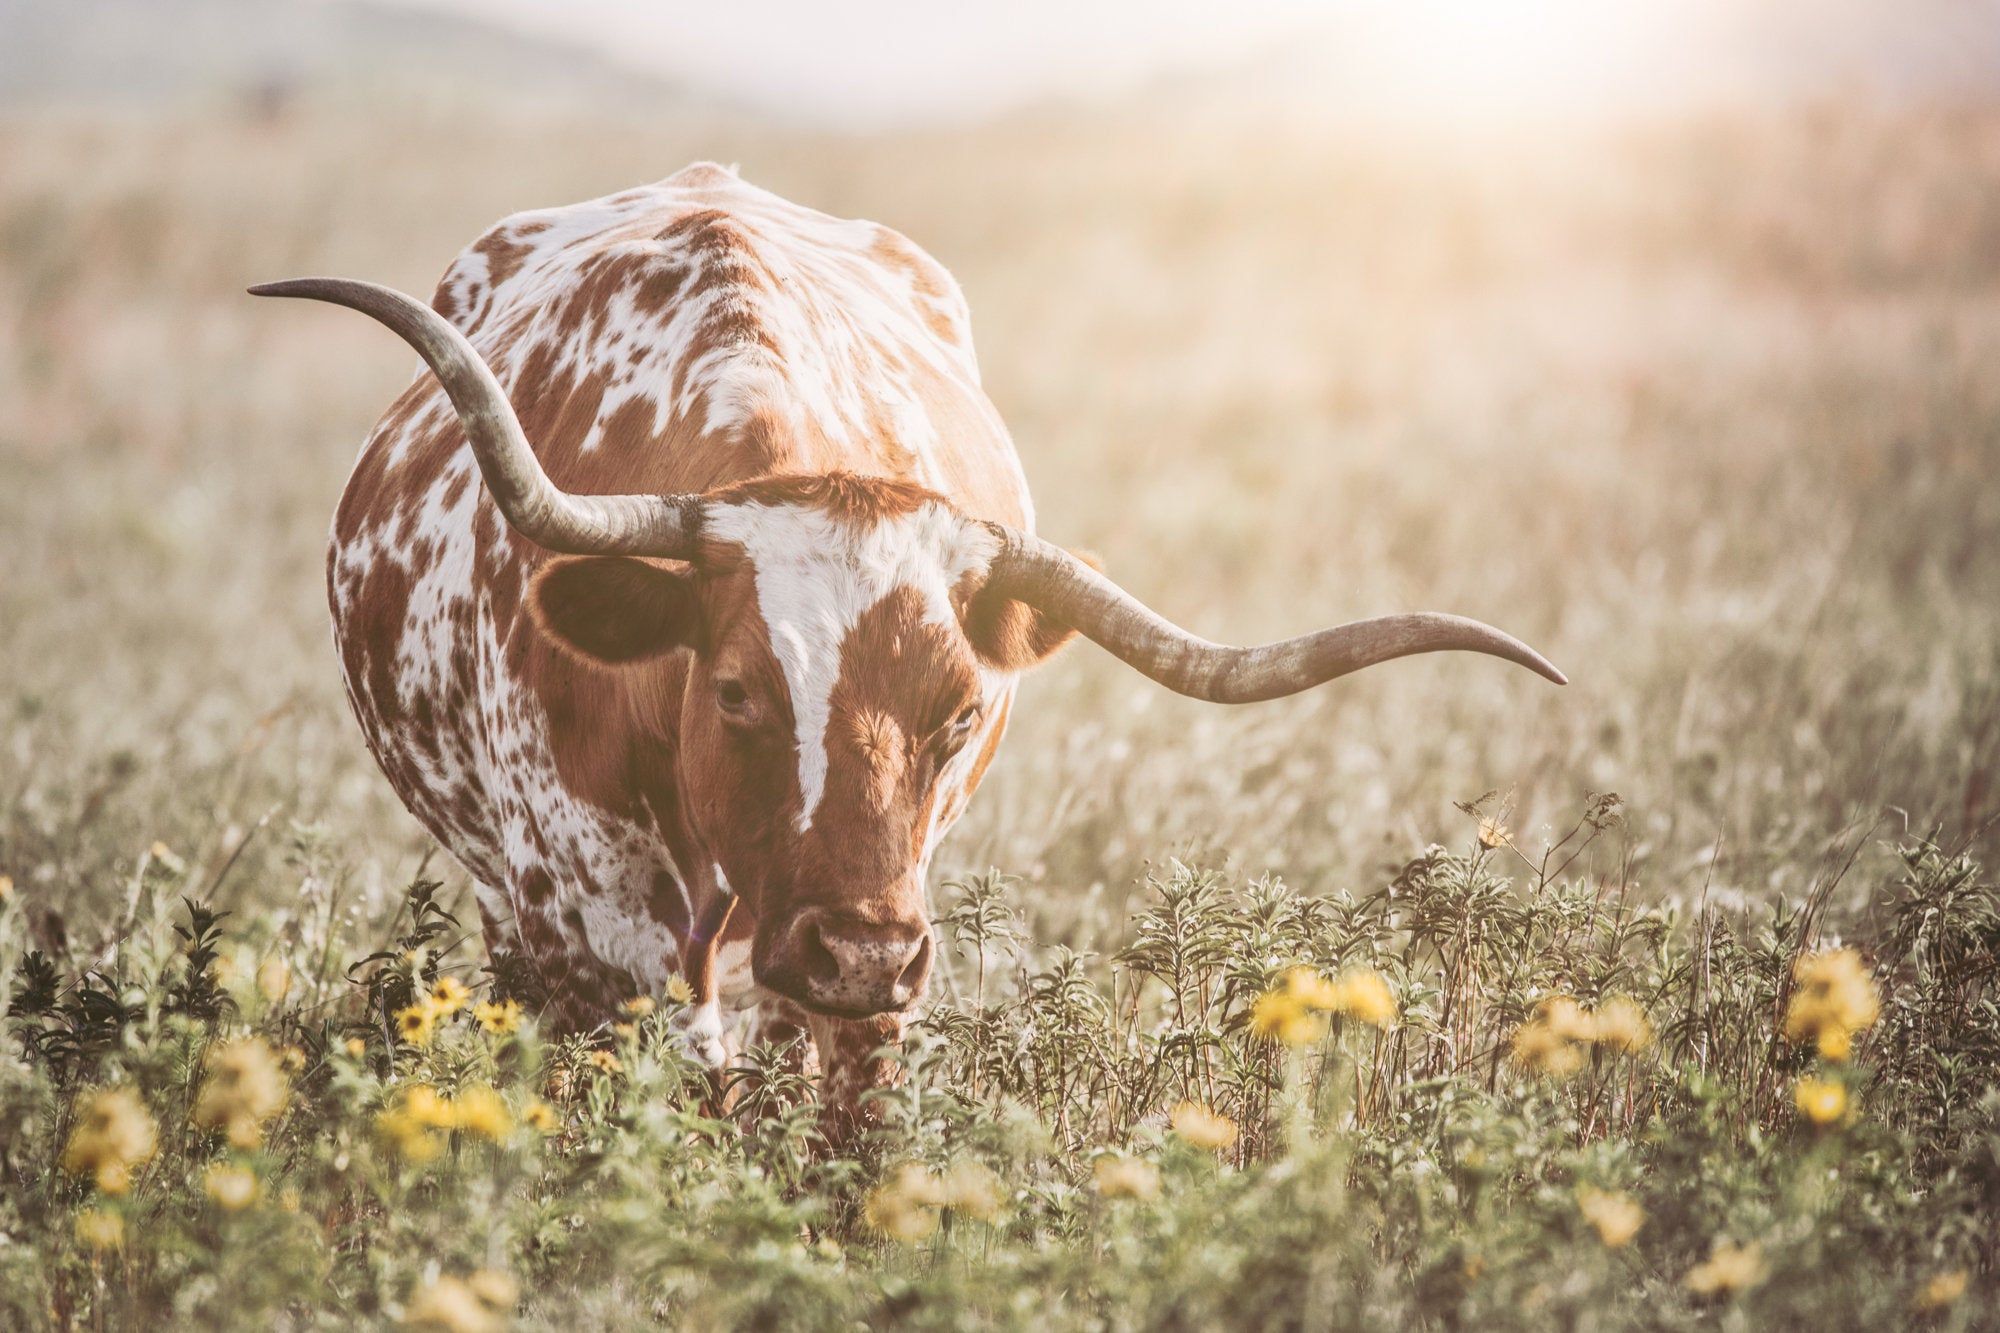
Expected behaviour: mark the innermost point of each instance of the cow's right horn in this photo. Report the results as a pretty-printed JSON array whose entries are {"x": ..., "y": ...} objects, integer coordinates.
[
  {"x": 1072, "y": 593},
  {"x": 655, "y": 525}
]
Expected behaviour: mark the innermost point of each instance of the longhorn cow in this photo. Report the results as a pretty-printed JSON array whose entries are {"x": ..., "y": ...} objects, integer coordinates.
[{"x": 698, "y": 678}]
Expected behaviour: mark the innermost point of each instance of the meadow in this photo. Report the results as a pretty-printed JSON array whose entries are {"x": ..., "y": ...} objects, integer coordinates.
[{"x": 1437, "y": 997}]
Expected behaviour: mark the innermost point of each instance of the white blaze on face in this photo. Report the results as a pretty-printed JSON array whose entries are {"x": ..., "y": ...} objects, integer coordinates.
[{"x": 817, "y": 575}]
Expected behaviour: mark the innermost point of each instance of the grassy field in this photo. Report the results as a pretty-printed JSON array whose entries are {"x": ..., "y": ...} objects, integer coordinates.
[{"x": 1706, "y": 413}]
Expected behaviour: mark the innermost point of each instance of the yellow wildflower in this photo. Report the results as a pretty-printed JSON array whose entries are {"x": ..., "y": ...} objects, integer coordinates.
[
  {"x": 1617, "y": 1216},
  {"x": 416, "y": 1144},
  {"x": 1550, "y": 1042},
  {"x": 1536, "y": 1046},
  {"x": 244, "y": 1089},
  {"x": 1622, "y": 1025},
  {"x": 678, "y": 990},
  {"x": 1310, "y": 989},
  {"x": 498, "y": 1016},
  {"x": 479, "y": 1110},
  {"x": 1280, "y": 1015},
  {"x": 410, "y": 1139},
  {"x": 100, "y": 1230},
  {"x": 114, "y": 1132},
  {"x": 1820, "y": 1100},
  {"x": 622, "y": 1031},
  {"x": 640, "y": 1005},
  {"x": 1567, "y": 1019},
  {"x": 541, "y": 1117},
  {"x": 607, "y": 1062},
  {"x": 449, "y": 996},
  {"x": 232, "y": 1187},
  {"x": 1363, "y": 994},
  {"x": 1833, "y": 998},
  {"x": 416, "y": 1022},
  {"x": 1728, "y": 1269},
  {"x": 1943, "y": 1290},
  {"x": 430, "y": 1109},
  {"x": 356, "y": 1047},
  {"x": 1493, "y": 834},
  {"x": 1202, "y": 1127},
  {"x": 905, "y": 1206},
  {"x": 1121, "y": 1177},
  {"x": 456, "y": 1305},
  {"x": 971, "y": 1188},
  {"x": 412, "y": 1123}
]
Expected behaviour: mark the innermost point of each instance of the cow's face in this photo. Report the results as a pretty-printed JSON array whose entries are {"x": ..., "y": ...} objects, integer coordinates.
[{"x": 846, "y": 683}]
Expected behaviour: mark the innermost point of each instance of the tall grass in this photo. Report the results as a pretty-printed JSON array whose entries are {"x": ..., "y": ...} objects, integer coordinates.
[{"x": 1081, "y": 1142}]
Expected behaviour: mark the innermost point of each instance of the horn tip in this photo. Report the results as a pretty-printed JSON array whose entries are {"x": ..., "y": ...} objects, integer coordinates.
[{"x": 1542, "y": 667}]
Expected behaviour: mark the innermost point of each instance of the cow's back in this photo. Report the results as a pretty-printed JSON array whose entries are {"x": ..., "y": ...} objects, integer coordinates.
[{"x": 670, "y": 338}]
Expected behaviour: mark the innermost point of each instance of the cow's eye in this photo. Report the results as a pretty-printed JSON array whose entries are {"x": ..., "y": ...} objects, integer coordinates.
[
  {"x": 959, "y": 727},
  {"x": 734, "y": 699}
]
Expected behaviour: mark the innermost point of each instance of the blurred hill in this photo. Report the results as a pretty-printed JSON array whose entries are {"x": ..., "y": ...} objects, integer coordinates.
[{"x": 150, "y": 54}]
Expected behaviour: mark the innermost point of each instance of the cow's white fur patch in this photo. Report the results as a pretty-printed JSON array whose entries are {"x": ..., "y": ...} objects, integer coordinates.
[
  {"x": 848, "y": 339},
  {"x": 735, "y": 984},
  {"x": 817, "y": 575}
]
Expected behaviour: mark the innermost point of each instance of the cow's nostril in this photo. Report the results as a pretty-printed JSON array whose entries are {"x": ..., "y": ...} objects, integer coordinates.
[
  {"x": 910, "y": 982},
  {"x": 817, "y": 959}
]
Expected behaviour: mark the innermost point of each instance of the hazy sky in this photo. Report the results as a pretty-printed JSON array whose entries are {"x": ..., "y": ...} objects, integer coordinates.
[
  {"x": 872, "y": 59},
  {"x": 869, "y": 60}
]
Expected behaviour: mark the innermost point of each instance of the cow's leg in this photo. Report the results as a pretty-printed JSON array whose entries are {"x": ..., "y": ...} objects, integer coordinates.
[
  {"x": 849, "y": 1069},
  {"x": 535, "y": 980},
  {"x": 579, "y": 992},
  {"x": 496, "y": 918},
  {"x": 496, "y": 925},
  {"x": 778, "y": 1023}
]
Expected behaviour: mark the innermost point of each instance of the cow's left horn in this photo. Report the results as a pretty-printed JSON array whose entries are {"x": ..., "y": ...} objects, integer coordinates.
[
  {"x": 541, "y": 511},
  {"x": 1063, "y": 587}
]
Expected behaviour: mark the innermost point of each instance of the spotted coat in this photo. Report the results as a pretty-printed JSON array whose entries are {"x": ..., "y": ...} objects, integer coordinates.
[{"x": 816, "y": 376}]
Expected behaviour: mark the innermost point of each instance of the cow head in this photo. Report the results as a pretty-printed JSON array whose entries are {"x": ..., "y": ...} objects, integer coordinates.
[
  {"x": 852, "y": 642},
  {"x": 844, "y": 668}
]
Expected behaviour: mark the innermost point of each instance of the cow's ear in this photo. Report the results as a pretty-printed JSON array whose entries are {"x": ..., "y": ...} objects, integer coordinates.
[
  {"x": 1012, "y": 636},
  {"x": 615, "y": 610}
]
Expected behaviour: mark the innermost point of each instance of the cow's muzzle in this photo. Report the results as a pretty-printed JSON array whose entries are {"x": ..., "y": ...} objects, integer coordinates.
[{"x": 850, "y": 968}]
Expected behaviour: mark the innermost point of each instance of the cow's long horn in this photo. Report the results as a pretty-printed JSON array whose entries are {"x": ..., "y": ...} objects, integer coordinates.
[
  {"x": 537, "y": 508},
  {"x": 1061, "y": 586}
]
